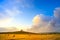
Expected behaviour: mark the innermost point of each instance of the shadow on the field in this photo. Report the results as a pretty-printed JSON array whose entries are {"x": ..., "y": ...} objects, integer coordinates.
[{"x": 57, "y": 38}]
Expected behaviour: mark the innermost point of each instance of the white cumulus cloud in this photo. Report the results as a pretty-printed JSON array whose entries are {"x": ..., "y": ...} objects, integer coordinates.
[{"x": 46, "y": 23}]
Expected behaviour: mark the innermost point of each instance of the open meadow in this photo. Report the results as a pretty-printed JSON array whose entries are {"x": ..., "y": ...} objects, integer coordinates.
[{"x": 26, "y": 36}]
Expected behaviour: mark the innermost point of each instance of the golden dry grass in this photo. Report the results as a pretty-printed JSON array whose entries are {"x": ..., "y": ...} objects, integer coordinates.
[{"x": 29, "y": 37}]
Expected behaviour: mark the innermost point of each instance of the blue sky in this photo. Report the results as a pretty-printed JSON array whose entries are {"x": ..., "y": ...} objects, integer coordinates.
[{"x": 22, "y": 12}]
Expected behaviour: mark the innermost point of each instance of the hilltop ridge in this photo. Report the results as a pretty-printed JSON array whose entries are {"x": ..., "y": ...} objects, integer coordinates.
[{"x": 25, "y": 32}]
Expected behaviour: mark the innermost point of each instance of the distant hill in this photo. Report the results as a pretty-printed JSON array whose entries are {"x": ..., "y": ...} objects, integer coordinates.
[
  {"x": 18, "y": 32},
  {"x": 24, "y": 32}
]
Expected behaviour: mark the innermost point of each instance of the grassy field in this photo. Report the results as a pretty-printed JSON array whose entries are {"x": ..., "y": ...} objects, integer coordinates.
[{"x": 30, "y": 36}]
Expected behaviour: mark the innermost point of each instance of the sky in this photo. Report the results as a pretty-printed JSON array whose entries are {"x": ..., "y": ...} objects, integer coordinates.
[{"x": 30, "y": 15}]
